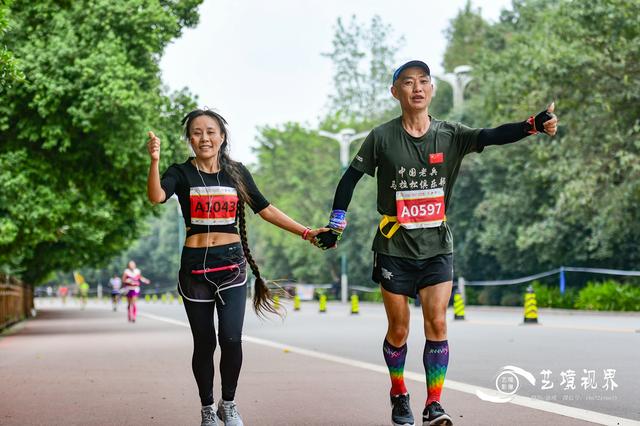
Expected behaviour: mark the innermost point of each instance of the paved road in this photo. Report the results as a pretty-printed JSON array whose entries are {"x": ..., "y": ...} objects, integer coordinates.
[
  {"x": 487, "y": 341},
  {"x": 92, "y": 367}
]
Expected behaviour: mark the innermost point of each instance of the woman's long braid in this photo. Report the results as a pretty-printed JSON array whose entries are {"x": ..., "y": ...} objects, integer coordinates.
[{"x": 262, "y": 299}]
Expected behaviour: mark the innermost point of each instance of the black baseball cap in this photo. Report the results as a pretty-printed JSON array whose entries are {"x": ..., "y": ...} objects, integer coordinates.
[{"x": 410, "y": 64}]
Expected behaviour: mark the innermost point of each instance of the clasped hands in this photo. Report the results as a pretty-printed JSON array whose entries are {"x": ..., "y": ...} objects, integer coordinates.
[{"x": 328, "y": 237}]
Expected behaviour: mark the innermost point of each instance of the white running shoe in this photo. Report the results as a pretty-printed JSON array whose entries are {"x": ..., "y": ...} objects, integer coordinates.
[
  {"x": 209, "y": 416},
  {"x": 228, "y": 413}
]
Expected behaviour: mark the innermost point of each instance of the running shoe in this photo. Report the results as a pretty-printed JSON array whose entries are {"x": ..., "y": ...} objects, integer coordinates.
[
  {"x": 401, "y": 414},
  {"x": 434, "y": 415},
  {"x": 228, "y": 413},
  {"x": 209, "y": 416}
]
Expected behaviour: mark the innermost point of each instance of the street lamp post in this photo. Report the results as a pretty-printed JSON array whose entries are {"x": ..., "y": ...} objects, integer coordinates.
[
  {"x": 345, "y": 138},
  {"x": 458, "y": 80}
]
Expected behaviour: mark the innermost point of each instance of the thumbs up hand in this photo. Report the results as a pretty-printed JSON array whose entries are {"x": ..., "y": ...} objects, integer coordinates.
[
  {"x": 153, "y": 146},
  {"x": 546, "y": 121}
]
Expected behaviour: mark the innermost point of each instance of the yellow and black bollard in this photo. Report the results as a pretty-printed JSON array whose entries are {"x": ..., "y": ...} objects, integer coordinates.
[
  {"x": 355, "y": 304},
  {"x": 458, "y": 305},
  {"x": 276, "y": 302},
  {"x": 323, "y": 303},
  {"x": 296, "y": 303},
  {"x": 530, "y": 307}
]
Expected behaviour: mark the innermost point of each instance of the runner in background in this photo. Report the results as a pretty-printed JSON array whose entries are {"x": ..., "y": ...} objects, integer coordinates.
[
  {"x": 83, "y": 292},
  {"x": 132, "y": 279},
  {"x": 63, "y": 291},
  {"x": 116, "y": 285}
]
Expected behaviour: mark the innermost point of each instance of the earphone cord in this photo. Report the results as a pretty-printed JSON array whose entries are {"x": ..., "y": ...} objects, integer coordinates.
[{"x": 206, "y": 251}]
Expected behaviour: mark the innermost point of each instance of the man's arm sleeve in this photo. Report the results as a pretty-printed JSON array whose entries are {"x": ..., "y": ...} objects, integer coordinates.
[
  {"x": 467, "y": 140},
  {"x": 502, "y": 135},
  {"x": 345, "y": 188}
]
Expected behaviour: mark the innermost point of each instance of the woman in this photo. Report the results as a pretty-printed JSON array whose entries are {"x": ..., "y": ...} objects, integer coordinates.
[
  {"x": 132, "y": 279},
  {"x": 212, "y": 190}
]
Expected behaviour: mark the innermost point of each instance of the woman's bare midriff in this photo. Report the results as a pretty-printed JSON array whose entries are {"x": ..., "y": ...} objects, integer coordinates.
[{"x": 214, "y": 239}]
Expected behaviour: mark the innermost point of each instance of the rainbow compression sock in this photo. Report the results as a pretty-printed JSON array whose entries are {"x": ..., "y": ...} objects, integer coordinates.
[
  {"x": 394, "y": 357},
  {"x": 435, "y": 359}
]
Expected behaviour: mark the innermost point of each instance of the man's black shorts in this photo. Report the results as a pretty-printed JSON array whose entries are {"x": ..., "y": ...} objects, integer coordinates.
[{"x": 399, "y": 275}]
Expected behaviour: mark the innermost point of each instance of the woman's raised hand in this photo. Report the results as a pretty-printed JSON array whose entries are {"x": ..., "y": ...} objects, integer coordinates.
[{"x": 153, "y": 146}]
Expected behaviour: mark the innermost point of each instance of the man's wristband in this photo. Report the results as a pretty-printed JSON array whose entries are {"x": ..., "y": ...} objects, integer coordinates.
[
  {"x": 531, "y": 125},
  {"x": 338, "y": 220}
]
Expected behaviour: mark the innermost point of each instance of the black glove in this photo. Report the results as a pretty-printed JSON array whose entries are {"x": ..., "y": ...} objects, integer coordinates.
[
  {"x": 327, "y": 239},
  {"x": 536, "y": 124},
  {"x": 540, "y": 119}
]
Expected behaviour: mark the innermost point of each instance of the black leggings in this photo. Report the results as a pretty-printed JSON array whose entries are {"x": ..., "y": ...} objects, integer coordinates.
[
  {"x": 230, "y": 320},
  {"x": 230, "y": 306}
]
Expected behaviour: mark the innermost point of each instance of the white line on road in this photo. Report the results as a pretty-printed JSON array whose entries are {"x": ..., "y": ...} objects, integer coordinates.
[{"x": 563, "y": 410}]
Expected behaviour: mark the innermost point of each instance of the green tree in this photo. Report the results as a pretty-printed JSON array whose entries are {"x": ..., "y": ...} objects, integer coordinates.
[
  {"x": 156, "y": 252},
  {"x": 363, "y": 60},
  {"x": 298, "y": 172},
  {"x": 572, "y": 199},
  {"x": 72, "y": 155},
  {"x": 9, "y": 72},
  {"x": 466, "y": 36}
]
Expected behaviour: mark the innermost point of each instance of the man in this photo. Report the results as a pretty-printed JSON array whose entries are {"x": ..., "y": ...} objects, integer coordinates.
[
  {"x": 116, "y": 285},
  {"x": 417, "y": 158}
]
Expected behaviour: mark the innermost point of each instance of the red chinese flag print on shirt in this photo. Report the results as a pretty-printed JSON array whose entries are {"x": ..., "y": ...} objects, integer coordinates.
[
  {"x": 213, "y": 205},
  {"x": 436, "y": 158}
]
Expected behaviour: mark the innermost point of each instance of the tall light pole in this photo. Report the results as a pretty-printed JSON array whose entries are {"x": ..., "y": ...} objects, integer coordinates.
[
  {"x": 345, "y": 138},
  {"x": 458, "y": 80}
]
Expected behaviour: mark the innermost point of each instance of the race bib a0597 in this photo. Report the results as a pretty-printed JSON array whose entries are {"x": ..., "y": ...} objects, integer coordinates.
[
  {"x": 420, "y": 208},
  {"x": 213, "y": 205}
]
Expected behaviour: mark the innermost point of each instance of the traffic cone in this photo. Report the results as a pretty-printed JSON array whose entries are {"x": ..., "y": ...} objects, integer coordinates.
[
  {"x": 355, "y": 305},
  {"x": 147, "y": 298},
  {"x": 179, "y": 300},
  {"x": 458, "y": 305},
  {"x": 296, "y": 303},
  {"x": 154, "y": 298},
  {"x": 276, "y": 302},
  {"x": 530, "y": 307},
  {"x": 323, "y": 303},
  {"x": 163, "y": 298}
]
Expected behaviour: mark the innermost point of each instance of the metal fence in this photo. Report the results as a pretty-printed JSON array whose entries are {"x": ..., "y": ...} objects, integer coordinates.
[{"x": 16, "y": 300}]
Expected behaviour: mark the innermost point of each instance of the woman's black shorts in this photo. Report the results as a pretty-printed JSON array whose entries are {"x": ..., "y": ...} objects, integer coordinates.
[{"x": 204, "y": 280}]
